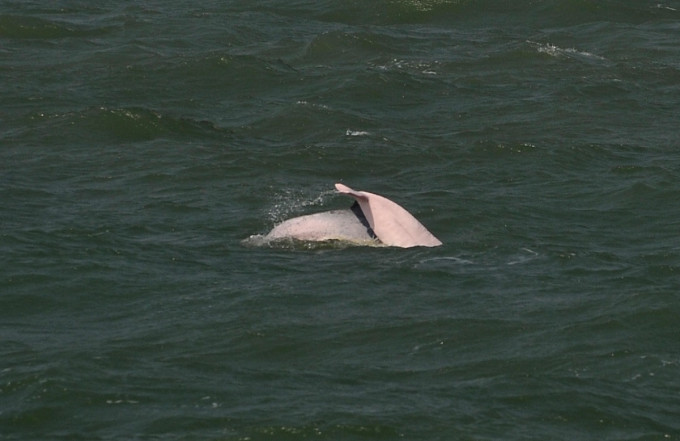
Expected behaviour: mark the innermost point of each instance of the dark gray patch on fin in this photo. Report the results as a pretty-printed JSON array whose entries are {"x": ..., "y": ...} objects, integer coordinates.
[{"x": 356, "y": 209}]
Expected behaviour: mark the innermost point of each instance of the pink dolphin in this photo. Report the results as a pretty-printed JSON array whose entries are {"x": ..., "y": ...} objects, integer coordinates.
[{"x": 372, "y": 217}]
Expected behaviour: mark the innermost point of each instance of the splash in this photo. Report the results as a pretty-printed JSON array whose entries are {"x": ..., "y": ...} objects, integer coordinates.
[
  {"x": 288, "y": 202},
  {"x": 287, "y": 243}
]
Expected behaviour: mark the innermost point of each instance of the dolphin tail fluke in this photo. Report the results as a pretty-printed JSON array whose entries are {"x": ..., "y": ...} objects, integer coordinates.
[{"x": 390, "y": 222}]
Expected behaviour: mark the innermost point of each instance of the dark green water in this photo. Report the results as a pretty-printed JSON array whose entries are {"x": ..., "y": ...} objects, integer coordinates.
[{"x": 141, "y": 143}]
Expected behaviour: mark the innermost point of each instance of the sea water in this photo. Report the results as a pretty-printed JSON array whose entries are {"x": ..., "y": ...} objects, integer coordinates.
[{"x": 142, "y": 142}]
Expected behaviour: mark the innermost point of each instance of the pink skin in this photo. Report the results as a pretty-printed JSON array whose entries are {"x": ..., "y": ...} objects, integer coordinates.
[
  {"x": 318, "y": 227},
  {"x": 392, "y": 224}
]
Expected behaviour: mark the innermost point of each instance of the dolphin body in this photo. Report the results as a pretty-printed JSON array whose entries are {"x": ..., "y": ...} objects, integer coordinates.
[{"x": 372, "y": 219}]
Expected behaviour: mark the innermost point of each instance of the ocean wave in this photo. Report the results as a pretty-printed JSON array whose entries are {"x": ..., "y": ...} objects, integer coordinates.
[
  {"x": 120, "y": 124},
  {"x": 23, "y": 26},
  {"x": 429, "y": 67},
  {"x": 427, "y": 5}
]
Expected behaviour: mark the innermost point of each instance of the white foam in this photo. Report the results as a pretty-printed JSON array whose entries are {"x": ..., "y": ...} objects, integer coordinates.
[
  {"x": 306, "y": 103},
  {"x": 556, "y": 51},
  {"x": 356, "y": 133},
  {"x": 527, "y": 256},
  {"x": 413, "y": 66},
  {"x": 660, "y": 6}
]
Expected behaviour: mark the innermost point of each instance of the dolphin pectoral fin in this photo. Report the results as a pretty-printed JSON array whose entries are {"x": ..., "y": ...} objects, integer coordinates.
[{"x": 390, "y": 222}]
